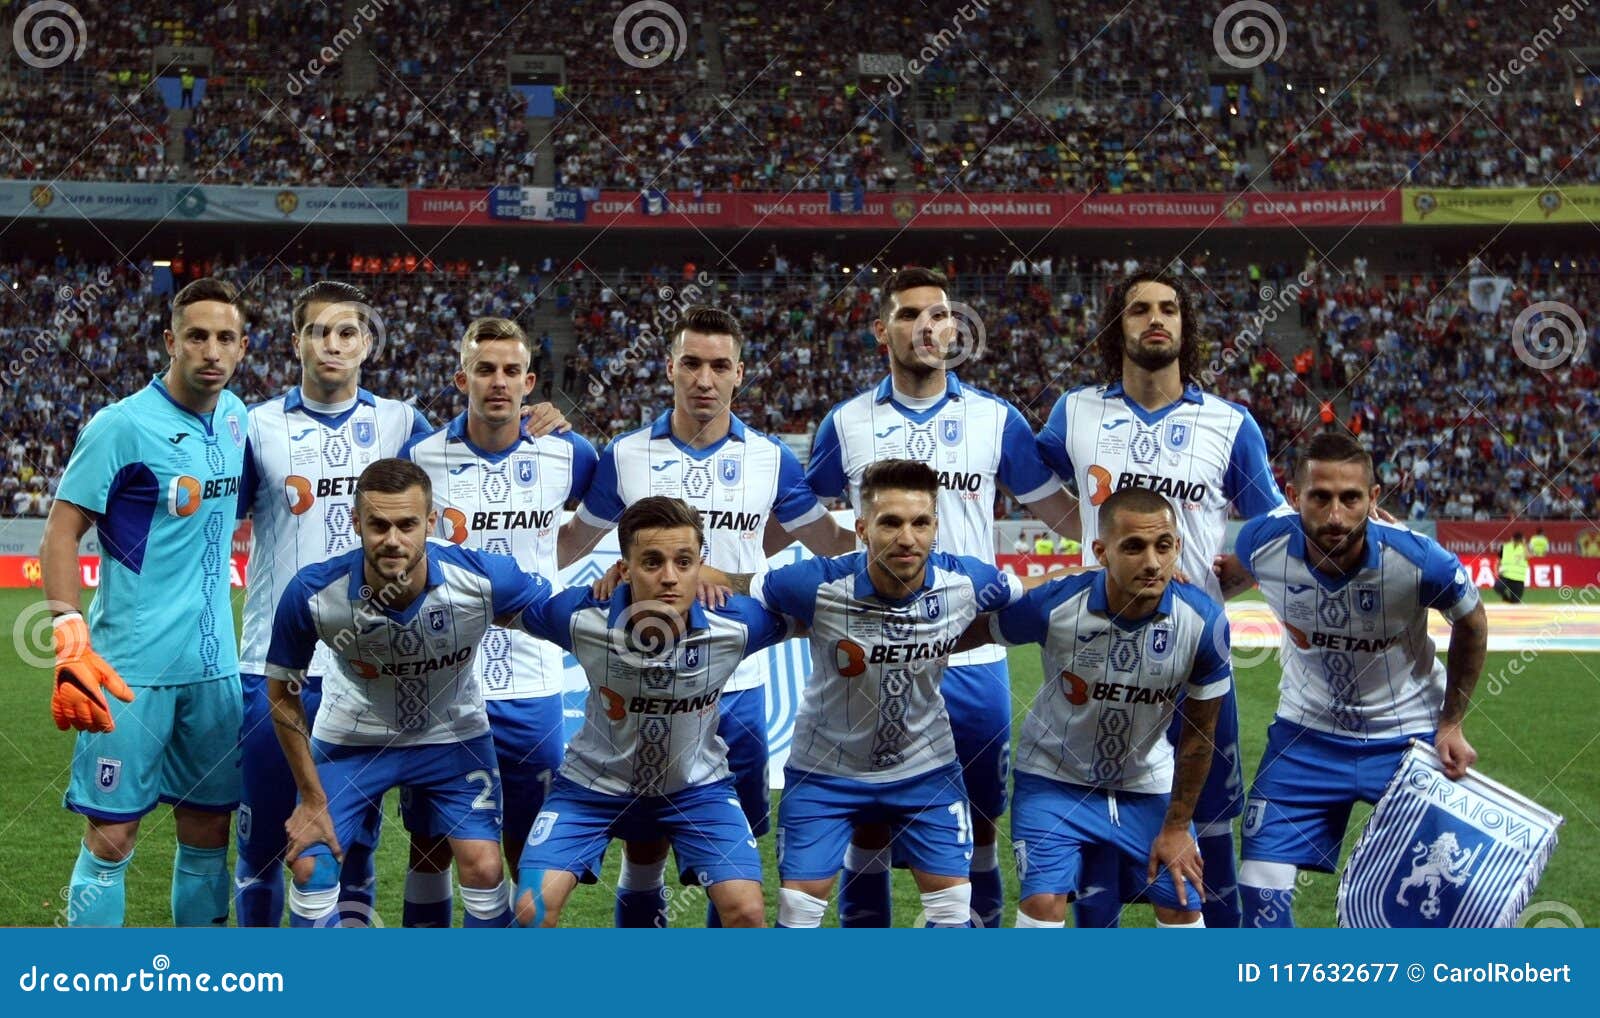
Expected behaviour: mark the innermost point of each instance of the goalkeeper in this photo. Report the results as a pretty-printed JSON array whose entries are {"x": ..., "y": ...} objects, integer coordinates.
[{"x": 151, "y": 680}]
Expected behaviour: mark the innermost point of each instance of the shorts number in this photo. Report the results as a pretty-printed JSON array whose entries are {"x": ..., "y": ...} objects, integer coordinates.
[
  {"x": 963, "y": 822},
  {"x": 485, "y": 799},
  {"x": 545, "y": 777}
]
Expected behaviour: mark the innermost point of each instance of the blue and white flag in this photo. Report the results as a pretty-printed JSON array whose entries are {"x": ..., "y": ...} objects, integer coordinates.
[
  {"x": 652, "y": 202},
  {"x": 1441, "y": 853}
]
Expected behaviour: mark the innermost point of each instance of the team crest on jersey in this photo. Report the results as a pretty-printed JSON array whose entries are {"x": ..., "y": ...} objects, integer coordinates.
[
  {"x": 1255, "y": 811},
  {"x": 691, "y": 656},
  {"x": 950, "y": 431},
  {"x": 108, "y": 773},
  {"x": 728, "y": 469},
  {"x": 1160, "y": 642},
  {"x": 363, "y": 433},
  {"x": 933, "y": 606},
  {"x": 234, "y": 429},
  {"x": 436, "y": 619},
  {"x": 1177, "y": 436},
  {"x": 1367, "y": 597}
]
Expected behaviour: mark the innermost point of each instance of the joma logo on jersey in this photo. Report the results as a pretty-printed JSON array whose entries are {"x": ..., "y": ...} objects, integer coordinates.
[
  {"x": 528, "y": 519},
  {"x": 185, "y": 493}
]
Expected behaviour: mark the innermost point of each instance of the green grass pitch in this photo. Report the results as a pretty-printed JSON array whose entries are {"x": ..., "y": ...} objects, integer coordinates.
[{"x": 1536, "y": 732}]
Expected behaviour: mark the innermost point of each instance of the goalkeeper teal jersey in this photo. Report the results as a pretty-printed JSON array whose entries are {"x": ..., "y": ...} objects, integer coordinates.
[{"x": 163, "y": 484}]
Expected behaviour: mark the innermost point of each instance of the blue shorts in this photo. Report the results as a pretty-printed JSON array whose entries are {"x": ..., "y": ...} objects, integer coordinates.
[
  {"x": 705, "y": 824},
  {"x": 1054, "y": 824},
  {"x": 744, "y": 728},
  {"x": 173, "y": 744},
  {"x": 268, "y": 793},
  {"x": 1300, "y": 801},
  {"x": 460, "y": 780},
  {"x": 528, "y": 741},
  {"x": 1222, "y": 798},
  {"x": 978, "y": 698},
  {"x": 928, "y": 813}
]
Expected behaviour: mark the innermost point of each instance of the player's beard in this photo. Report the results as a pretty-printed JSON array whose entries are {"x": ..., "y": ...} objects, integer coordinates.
[
  {"x": 917, "y": 362},
  {"x": 1335, "y": 548},
  {"x": 1152, "y": 360}
]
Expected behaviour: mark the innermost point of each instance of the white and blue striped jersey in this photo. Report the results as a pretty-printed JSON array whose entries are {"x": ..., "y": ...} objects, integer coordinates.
[
  {"x": 971, "y": 438},
  {"x": 872, "y": 709},
  {"x": 1357, "y": 657},
  {"x": 1202, "y": 453},
  {"x": 300, "y": 472},
  {"x": 1112, "y": 685},
  {"x": 736, "y": 484},
  {"x": 399, "y": 678},
  {"x": 507, "y": 503},
  {"x": 650, "y": 720}
]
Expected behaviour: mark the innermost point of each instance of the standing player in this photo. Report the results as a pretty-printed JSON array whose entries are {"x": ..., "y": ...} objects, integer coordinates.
[
  {"x": 402, "y": 617},
  {"x": 306, "y": 449},
  {"x": 1149, "y": 425},
  {"x": 499, "y": 491},
  {"x": 873, "y": 741},
  {"x": 157, "y": 474},
  {"x": 1360, "y": 679},
  {"x": 648, "y": 761},
  {"x": 738, "y": 478},
  {"x": 973, "y": 441},
  {"x": 1095, "y": 770}
]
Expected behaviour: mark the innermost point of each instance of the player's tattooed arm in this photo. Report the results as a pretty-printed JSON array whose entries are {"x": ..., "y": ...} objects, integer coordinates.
[
  {"x": 310, "y": 822},
  {"x": 1232, "y": 574},
  {"x": 1469, "y": 645},
  {"x": 739, "y": 583},
  {"x": 1174, "y": 849}
]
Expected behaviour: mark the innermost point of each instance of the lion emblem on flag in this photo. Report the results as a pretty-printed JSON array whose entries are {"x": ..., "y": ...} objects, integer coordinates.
[{"x": 1432, "y": 865}]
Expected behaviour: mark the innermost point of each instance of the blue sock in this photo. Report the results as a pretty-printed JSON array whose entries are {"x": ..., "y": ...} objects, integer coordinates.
[
  {"x": 1221, "y": 908},
  {"x": 315, "y": 903},
  {"x": 358, "y": 887},
  {"x": 96, "y": 895},
  {"x": 988, "y": 893},
  {"x": 429, "y": 903},
  {"x": 258, "y": 892},
  {"x": 200, "y": 886},
  {"x": 866, "y": 894},
  {"x": 641, "y": 910},
  {"x": 486, "y": 907},
  {"x": 1266, "y": 908}
]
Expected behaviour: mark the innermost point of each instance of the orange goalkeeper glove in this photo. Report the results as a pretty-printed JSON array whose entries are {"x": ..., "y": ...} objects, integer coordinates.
[{"x": 82, "y": 680}]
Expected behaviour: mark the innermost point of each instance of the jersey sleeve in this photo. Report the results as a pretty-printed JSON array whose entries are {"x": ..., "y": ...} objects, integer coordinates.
[
  {"x": 1028, "y": 619},
  {"x": 792, "y": 589},
  {"x": 584, "y": 460},
  {"x": 420, "y": 428},
  {"x": 1247, "y": 542},
  {"x": 1212, "y": 671},
  {"x": 1248, "y": 482},
  {"x": 409, "y": 450},
  {"x": 995, "y": 588},
  {"x": 797, "y": 505},
  {"x": 1445, "y": 584},
  {"x": 294, "y": 633},
  {"x": 511, "y": 590},
  {"x": 1022, "y": 470},
  {"x": 551, "y": 619},
  {"x": 106, "y": 446},
  {"x": 767, "y": 628},
  {"x": 825, "y": 473},
  {"x": 1052, "y": 442},
  {"x": 602, "y": 503}
]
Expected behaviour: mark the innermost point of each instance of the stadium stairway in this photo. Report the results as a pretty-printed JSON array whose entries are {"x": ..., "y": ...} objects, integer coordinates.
[
  {"x": 360, "y": 74},
  {"x": 711, "y": 38},
  {"x": 1044, "y": 19}
]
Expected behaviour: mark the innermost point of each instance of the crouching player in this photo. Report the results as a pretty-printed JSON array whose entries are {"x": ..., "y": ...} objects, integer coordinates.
[
  {"x": 648, "y": 762},
  {"x": 872, "y": 739},
  {"x": 1095, "y": 777},
  {"x": 403, "y": 617}
]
